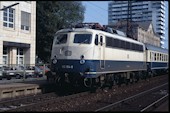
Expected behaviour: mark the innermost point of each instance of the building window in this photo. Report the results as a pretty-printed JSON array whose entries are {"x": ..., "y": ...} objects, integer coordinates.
[
  {"x": 8, "y": 17},
  {"x": 5, "y": 55},
  {"x": 25, "y": 21},
  {"x": 20, "y": 56}
]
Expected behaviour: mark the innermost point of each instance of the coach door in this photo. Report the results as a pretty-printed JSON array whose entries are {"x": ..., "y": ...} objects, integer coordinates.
[{"x": 102, "y": 51}]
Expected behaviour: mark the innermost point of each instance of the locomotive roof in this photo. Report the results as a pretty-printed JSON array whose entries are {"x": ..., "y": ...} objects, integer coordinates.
[
  {"x": 100, "y": 31},
  {"x": 155, "y": 48}
]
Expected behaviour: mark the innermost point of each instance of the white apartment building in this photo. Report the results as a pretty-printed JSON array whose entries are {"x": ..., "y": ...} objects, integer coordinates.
[
  {"x": 17, "y": 32},
  {"x": 141, "y": 11}
]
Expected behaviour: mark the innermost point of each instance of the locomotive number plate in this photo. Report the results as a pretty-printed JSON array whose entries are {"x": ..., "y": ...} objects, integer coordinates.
[{"x": 67, "y": 66}]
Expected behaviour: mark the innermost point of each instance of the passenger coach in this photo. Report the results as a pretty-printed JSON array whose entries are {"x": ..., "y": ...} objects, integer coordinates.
[{"x": 157, "y": 59}]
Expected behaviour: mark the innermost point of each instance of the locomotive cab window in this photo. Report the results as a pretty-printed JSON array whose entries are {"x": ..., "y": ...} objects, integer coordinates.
[
  {"x": 61, "y": 39},
  {"x": 82, "y": 38}
]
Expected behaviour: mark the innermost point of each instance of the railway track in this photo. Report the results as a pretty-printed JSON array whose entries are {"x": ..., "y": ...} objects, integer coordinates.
[
  {"x": 144, "y": 101},
  {"x": 79, "y": 101},
  {"x": 42, "y": 103},
  {"x": 7, "y": 105}
]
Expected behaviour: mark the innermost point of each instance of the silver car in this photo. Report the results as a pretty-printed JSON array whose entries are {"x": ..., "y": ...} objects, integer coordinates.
[{"x": 1, "y": 73}]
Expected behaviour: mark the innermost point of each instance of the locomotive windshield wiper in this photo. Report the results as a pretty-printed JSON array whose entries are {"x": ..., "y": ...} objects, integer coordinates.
[{"x": 83, "y": 41}]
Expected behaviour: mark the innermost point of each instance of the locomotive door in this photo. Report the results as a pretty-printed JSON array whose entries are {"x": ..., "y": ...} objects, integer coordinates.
[{"x": 102, "y": 51}]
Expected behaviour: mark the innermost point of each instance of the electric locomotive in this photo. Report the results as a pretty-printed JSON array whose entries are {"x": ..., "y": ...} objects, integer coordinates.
[{"x": 94, "y": 57}]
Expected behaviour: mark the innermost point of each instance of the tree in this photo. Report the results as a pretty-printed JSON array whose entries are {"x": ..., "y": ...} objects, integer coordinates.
[{"x": 51, "y": 17}]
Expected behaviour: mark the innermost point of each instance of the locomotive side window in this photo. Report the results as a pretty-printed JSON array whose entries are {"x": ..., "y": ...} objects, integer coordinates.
[
  {"x": 61, "y": 39},
  {"x": 123, "y": 44},
  {"x": 116, "y": 43},
  {"x": 109, "y": 42},
  {"x": 101, "y": 40},
  {"x": 133, "y": 46},
  {"x": 96, "y": 40},
  {"x": 82, "y": 38},
  {"x": 127, "y": 45}
]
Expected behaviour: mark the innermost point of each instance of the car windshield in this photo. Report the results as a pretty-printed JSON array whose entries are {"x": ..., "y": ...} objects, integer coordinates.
[
  {"x": 82, "y": 38},
  {"x": 61, "y": 39}
]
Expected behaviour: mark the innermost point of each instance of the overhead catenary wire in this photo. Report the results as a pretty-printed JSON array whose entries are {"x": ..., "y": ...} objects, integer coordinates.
[
  {"x": 99, "y": 12},
  {"x": 98, "y": 6}
]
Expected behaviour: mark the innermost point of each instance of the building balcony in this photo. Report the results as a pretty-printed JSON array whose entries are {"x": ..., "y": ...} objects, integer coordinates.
[
  {"x": 161, "y": 32},
  {"x": 162, "y": 43},
  {"x": 162, "y": 37}
]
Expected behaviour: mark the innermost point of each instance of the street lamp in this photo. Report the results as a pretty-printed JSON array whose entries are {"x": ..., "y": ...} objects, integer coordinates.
[{"x": 9, "y": 6}]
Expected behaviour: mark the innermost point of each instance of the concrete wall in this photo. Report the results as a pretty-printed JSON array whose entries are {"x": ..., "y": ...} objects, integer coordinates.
[{"x": 18, "y": 35}]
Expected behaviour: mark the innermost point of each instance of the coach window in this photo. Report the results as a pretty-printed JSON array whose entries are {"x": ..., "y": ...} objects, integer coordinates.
[
  {"x": 155, "y": 56},
  {"x": 164, "y": 57},
  {"x": 96, "y": 40},
  {"x": 160, "y": 57},
  {"x": 152, "y": 56}
]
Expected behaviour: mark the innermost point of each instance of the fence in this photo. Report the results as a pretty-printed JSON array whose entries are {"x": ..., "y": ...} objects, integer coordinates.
[{"x": 23, "y": 71}]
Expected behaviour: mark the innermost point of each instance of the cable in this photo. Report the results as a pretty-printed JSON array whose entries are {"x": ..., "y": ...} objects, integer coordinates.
[
  {"x": 98, "y": 6},
  {"x": 102, "y": 16}
]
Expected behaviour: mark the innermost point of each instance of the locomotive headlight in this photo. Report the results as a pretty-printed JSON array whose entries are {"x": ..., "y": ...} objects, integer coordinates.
[
  {"x": 82, "y": 61},
  {"x": 54, "y": 60}
]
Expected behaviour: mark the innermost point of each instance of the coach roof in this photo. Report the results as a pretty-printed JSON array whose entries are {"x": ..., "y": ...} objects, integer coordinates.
[{"x": 155, "y": 48}]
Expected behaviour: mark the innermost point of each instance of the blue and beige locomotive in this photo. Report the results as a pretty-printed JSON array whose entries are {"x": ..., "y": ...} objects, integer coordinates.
[{"x": 94, "y": 57}]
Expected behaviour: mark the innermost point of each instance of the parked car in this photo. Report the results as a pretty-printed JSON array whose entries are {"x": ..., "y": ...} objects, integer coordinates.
[
  {"x": 7, "y": 72},
  {"x": 46, "y": 69},
  {"x": 1, "y": 74},
  {"x": 21, "y": 70},
  {"x": 38, "y": 72}
]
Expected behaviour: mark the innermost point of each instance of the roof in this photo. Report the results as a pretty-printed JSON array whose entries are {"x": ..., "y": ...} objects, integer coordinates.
[
  {"x": 122, "y": 37},
  {"x": 144, "y": 24},
  {"x": 155, "y": 48}
]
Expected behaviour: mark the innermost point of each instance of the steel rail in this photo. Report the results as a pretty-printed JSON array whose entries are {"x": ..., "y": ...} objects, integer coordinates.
[
  {"x": 154, "y": 103},
  {"x": 129, "y": 98}
]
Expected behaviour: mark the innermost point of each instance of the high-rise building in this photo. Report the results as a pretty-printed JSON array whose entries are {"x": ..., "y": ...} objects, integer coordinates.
[
  {"x": 17, "y": 32},
  {"x": 140, "y": 11}
]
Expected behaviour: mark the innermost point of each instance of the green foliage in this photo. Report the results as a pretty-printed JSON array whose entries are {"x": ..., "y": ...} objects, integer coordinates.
[{"x": 51, "y": 17}]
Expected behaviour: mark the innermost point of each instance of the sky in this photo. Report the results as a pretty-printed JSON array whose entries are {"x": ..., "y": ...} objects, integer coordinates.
[{"x": 97, "y": 11}]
